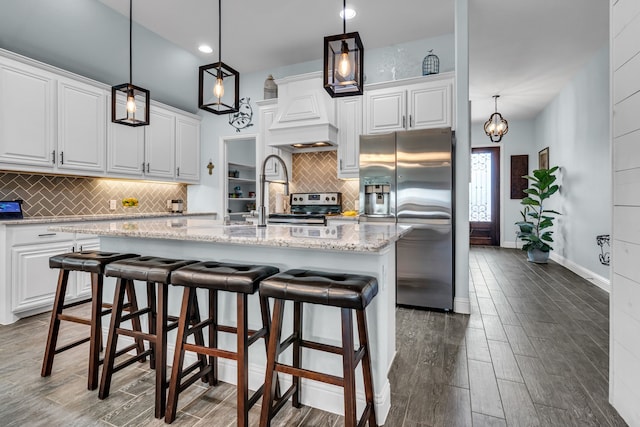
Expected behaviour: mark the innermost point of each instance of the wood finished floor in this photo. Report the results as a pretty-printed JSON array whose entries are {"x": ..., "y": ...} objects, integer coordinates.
[{"x": 534, "y": 352}]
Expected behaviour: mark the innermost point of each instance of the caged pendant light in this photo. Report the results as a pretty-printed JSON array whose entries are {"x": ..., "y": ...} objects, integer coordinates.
[
  {"x": 131, "y": 95},
  {"x": 496, "y": 127},
  {"x": 215, "y": 78},
  {"x": 343, "y": 62}
]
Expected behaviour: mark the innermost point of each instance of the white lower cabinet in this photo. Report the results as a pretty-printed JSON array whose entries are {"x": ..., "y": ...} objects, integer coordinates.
[{"x": 32, "y": 284}]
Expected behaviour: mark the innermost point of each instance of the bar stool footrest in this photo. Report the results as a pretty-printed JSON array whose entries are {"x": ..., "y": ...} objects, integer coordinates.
[
  {"x": 310, "y": 375},
  {"x": 137, "y": 358},
  {"x": 76, "y": 303},
  {"x": 71, "y": 345}
]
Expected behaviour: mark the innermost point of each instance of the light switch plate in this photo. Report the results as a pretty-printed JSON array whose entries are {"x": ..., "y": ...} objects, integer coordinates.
[{"x": 112, "y": 205}]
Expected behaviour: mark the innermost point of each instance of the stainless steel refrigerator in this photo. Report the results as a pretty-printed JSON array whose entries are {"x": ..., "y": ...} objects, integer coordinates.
[{"x": 407, "y": 177}]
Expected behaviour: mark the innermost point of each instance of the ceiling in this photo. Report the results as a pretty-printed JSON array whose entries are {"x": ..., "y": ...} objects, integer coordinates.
[{"x": 525, "y": 51}]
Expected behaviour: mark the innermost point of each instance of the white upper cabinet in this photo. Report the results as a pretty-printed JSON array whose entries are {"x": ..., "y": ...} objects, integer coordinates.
[
  {"x": 159, "y": 144},
  {"x": 273, "y": 169},
  {"x": 27, "y": 114},
  {"x": 187, "y": 149},
  {"x": 350, "y": 129},
  {"x": 420, "y": 103},
  {"x": 126, "y": 147},
  {"x": 82, "y": 124}
]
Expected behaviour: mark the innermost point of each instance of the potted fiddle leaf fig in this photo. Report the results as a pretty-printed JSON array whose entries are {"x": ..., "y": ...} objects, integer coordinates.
[{"x": 535, "y": 229}]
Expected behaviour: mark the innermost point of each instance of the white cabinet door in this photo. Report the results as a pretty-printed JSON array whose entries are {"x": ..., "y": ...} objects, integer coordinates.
[
  {"x": 430, "y": 105},
  {"x": 125, "y": 150},
  {"x": 187, "y": 149},
  {"x": 27, "y": 114},
  {"x": 350, "y": 129},
  {"x": 33, "y": 283},
  {"x": 159, "y": 144},
  {"x": 273, "y": 168},
  {"x": 385, "y": 110},
  {"x": 82, "y": 122}
]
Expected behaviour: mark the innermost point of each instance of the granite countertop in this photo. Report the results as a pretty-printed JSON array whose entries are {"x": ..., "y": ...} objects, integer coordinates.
[
  {"x": 103, "y": 217},
  {"x": 340, "y": 237}
]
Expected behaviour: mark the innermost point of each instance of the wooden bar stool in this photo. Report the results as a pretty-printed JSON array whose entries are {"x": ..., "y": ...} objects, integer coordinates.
[
  {"x": 346, "y": 291},
  {"x": 243, "y": 280},
  {"x": 156, "y": 272},
  {"x": 92, "y": 262}
]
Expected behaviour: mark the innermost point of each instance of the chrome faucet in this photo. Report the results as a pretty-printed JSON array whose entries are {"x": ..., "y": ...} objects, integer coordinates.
[{"x": 262, "y": 211}]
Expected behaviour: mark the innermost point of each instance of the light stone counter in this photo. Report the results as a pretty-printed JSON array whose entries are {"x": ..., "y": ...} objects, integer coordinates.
[
  {"x": 103, "y": 217},
  {"x": 367, "y": 237},
  {"x": 367, "y": 248}
]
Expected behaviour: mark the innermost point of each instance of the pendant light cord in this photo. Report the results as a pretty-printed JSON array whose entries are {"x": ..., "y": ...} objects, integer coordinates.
[
  {"x": 130, "y": 43},
  {"x": 344, "y": 16},
  {"x": 219, "y": 30}
]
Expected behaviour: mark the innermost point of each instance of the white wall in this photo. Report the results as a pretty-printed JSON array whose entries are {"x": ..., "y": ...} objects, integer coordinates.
[
  {"x": 519, "y": 140},
  {"x": 624, "y": 353},
  {"x": 575, "y": 127}
]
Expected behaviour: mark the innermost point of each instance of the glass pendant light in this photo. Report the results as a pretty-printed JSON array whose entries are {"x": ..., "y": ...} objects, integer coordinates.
[
  {"x": 343, "y": 62},
  {"x": 133, "y": 97},
  {"x": 496, "y": 127},
  {"x": 215, "y": 78}
]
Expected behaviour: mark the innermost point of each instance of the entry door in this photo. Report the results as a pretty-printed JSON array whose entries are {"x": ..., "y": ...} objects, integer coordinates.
[{"x": 484, "y": 197}]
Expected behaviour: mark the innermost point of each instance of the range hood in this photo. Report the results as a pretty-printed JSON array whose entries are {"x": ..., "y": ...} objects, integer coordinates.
[{"x": 306, "y": 116}]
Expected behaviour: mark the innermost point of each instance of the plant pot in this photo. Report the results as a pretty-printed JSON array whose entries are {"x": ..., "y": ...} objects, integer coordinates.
[{"x": 538, "y": 256}]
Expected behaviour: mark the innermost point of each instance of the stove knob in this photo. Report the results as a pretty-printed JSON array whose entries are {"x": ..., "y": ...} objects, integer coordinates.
[
  {"x": 327, "y": 198},
  {"x": 295, "y": 199},
  {"x": 333, "y": 199}
]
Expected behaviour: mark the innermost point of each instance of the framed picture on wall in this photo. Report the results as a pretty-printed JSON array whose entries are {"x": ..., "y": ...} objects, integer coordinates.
[{"x": 543, "y": 158}]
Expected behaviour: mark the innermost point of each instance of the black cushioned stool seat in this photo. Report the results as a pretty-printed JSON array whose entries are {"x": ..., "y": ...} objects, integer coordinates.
[
  {"x": 243, "y": 280},
  {"x": 345, "y": 291},
  {"x": 156, "y": 272},
  {"x": 92, "y": 262}
]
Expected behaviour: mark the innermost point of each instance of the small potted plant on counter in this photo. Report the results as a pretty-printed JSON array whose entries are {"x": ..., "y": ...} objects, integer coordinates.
[{"x": 536, "y": 232}]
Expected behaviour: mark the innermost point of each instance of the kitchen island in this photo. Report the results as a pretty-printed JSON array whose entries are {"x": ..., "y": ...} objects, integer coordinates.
[{"x": 353, "y": 248}]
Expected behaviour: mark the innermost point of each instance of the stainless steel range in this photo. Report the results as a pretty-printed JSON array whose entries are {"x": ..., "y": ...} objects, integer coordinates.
[{"x": 309, "y": 209}]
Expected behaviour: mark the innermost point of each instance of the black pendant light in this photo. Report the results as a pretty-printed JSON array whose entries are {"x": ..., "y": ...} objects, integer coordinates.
[
  {"x": 496, "y": 127},
  {"x": 135, "y": 96},
  {"x": 215, "y": 78},
  {"x": 343, "y": 62}
]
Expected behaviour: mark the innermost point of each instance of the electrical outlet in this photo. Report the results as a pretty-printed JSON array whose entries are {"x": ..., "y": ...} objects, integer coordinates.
[
  {"x": 169, "y": 204},
  {"x": 112, "y": 205}
]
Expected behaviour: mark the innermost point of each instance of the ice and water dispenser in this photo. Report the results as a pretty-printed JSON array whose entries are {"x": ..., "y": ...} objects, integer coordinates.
[{"x": 376, "y": 199}]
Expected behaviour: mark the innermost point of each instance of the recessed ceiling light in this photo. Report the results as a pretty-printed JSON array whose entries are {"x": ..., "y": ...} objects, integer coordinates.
[
  {"x": 205, "y": 48},
  {"x": 347, "y": 13}
]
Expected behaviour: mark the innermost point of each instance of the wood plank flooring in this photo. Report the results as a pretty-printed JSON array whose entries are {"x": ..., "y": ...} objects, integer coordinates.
[{"x": 534, "y": 352}]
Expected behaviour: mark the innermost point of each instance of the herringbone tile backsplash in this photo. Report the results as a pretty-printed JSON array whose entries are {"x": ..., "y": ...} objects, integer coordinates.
[
  {"x": 49, "y": 195},
  {"x": 317, "y": 172}
]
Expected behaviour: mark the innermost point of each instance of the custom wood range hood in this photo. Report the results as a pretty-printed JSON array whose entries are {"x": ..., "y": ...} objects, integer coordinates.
[{"x": 306, "y": 115}]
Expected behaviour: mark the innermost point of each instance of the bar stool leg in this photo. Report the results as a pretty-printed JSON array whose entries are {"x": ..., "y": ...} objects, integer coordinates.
[
  {"x": 213, "y": 335},
  {"x": 96, "y": 330},
  {"x": 112, "y": 340},
  {"x": 135, "y": 322},
  {"x": 363, "y": 333},
  {"x": 272, "y": 357},
  {"x": 348, "y": 357},
  {"x": 297, "y": 349},
  {"x": 198, "y": 336},
  {"x": 161, "y": 350},
  {"x": 152, "y": 319},
  {"x": 242, "y": 361},
  {"x": 178, "y": 357},
  {"x": 54, "y": 325}
]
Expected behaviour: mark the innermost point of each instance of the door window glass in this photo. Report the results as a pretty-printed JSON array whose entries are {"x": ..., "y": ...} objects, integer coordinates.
[{"x": 480, "y": 188}]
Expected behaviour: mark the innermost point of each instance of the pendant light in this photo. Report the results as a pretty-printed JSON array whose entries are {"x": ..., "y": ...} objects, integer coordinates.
[
  {"x": 496, "y": 127},
  {"x": 215, "y": 78},
  {"x": 134, "y": 97},
  {"x": 343, "y": 62}
]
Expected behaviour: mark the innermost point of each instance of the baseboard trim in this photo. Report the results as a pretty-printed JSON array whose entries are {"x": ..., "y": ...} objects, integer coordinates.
[
  {"x": 598, "y": 280},
  {"x": 510, "y": 245},
  {"x": 461, "y": 305}
]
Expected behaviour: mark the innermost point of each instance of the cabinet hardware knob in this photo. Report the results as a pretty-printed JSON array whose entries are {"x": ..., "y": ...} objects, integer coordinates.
[
  {"x": 147, "y": 167},
  {"x": 178, "y": 170},
  {"x": 62, "y": 157},
  {"x": 46, "y": 234},
  {"x": 404, "y": 121},
  {"x": 340, "y": 164},
  {"x": 53, "y": 157},
  {"x": 410, "y": 121},
  {"x": 142, "y": 167}
]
